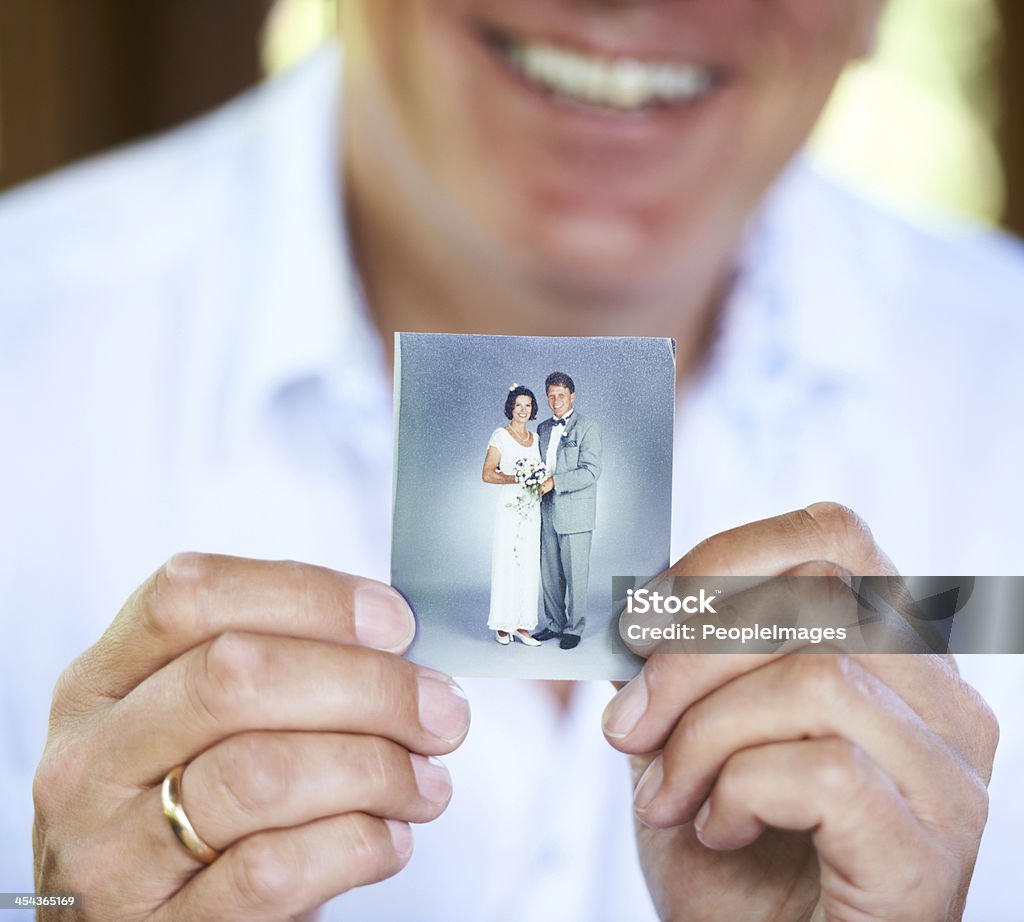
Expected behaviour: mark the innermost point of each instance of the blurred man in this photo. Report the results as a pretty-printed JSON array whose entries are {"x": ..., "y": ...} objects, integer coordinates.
[{"x": 195, "y": 338}]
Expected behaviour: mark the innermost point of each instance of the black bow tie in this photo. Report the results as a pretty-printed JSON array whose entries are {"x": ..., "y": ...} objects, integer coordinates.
[{"x": 559, "y": 422}]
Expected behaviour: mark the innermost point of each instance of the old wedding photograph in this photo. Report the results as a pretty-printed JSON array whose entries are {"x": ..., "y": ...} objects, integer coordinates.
[{"x": 527, "y": 471}]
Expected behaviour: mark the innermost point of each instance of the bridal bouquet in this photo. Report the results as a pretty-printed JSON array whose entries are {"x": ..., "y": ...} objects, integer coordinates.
[{"x": 530, "y": 475}]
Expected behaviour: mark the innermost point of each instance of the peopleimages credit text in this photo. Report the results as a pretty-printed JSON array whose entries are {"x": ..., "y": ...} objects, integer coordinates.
[{"x": 773, "y": 632}]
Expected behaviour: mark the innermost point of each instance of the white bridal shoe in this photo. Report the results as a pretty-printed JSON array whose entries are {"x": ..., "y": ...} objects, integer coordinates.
[
  {"x": 524, "y": 635},
  {"x": 507, "y": 637}
]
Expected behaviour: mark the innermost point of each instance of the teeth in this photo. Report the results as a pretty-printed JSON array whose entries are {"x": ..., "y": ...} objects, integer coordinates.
[{"x": 624, "y": 83}]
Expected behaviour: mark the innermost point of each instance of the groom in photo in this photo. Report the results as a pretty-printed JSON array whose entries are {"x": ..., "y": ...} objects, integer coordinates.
[{"x": 570, "y": 445}]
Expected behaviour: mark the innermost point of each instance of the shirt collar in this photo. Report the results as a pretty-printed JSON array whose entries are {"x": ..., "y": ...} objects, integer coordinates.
[
  {"x": 803, "y": 301},
  {"x": 801, "y": 329},
  {"x": 307, "y": 318}
]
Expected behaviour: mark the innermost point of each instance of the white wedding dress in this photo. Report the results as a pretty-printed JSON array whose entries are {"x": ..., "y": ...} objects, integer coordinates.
[{"x": 515, "y": 554}]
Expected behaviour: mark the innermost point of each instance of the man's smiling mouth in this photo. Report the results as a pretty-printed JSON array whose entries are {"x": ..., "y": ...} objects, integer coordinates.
[{"x": 619, "y": 84}]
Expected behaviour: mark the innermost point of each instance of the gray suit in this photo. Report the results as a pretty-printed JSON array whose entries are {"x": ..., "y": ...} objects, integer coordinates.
[{"x": 568, "y": 514}]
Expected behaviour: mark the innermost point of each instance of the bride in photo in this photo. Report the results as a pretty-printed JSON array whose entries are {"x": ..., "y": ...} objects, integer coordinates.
[{"x": 514, "y": 464}]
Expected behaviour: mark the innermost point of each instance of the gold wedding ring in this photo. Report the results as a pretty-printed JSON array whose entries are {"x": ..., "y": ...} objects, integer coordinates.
[{"x": 170, "y": 797}]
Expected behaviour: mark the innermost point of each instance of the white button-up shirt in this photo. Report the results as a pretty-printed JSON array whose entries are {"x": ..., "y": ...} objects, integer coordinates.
[
  {"x": 186, "y": 362},
  {"x": 555, "y": 439}
]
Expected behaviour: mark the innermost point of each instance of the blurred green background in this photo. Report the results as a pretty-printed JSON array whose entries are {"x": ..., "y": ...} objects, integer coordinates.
[{"x": 929, "y": 123}]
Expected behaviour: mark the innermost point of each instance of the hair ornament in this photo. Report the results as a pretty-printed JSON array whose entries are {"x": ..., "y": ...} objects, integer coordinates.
[{"x": 512, "y": 387}]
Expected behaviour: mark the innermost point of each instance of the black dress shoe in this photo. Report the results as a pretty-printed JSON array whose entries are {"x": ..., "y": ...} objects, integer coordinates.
[
  {"x": 568, "y": 641},
  {"x": 546, "y": 634}
]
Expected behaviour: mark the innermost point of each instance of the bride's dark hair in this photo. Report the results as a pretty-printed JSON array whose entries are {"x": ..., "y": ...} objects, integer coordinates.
[{"x": 510, "y": 400}]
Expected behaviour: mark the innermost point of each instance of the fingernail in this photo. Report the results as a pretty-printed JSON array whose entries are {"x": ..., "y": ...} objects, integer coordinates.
[
  {"x": 432, "y": 778},
  {"x": 626, "y": 708},
  {"x": 444, "y": 710},
  {"x": 700, "y": 819},
  {"x": 649, "y": 785},
  {"x": 401, "y": 837},
  {"x": 382, "y": 618}
]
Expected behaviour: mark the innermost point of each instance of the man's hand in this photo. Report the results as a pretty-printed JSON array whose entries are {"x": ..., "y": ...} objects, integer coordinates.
[
  {"x": 307, "y": 741},
  {"x": 795, "y": 787},
  {"x": 547, "y": 486}
]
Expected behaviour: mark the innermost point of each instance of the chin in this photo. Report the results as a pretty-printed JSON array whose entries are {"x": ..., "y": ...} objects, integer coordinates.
[{"x": 600, "y": 257}]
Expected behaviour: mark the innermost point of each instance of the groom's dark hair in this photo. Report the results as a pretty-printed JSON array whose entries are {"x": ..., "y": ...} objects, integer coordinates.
[{"x": 559, "y": 379}]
